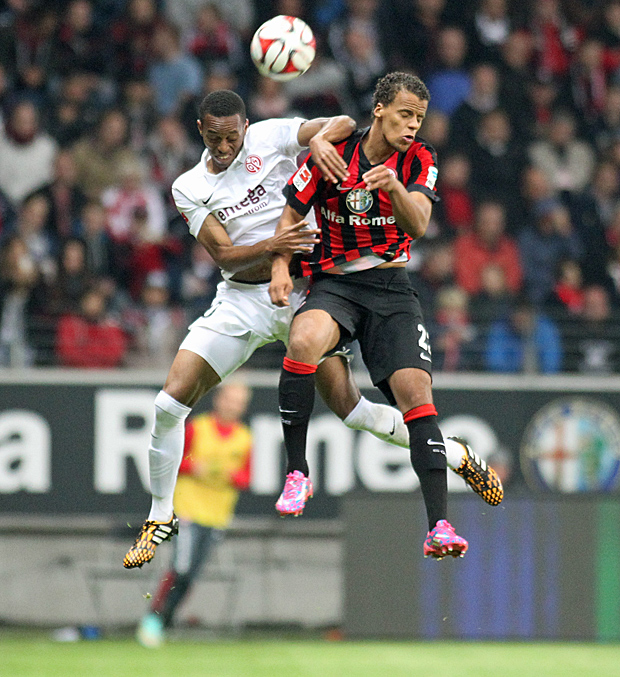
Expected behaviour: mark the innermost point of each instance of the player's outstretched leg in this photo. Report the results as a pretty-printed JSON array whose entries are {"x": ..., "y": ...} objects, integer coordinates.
[
  {"x": 477, "y": 473},
  {"x": 387, "y": 424},
  {"x": 442, "y": 540},
  {"x": 296, "y": 398},
  {"x": 150, "y": 536}
]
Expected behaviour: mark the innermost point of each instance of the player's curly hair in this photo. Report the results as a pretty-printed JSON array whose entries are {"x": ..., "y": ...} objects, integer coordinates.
[
  {"x": 222, "y": 103},
  {"x": 389, "y": 85}
]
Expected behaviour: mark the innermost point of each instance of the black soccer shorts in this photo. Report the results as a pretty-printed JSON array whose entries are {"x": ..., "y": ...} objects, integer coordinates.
[{"x": 380, "y": 309}]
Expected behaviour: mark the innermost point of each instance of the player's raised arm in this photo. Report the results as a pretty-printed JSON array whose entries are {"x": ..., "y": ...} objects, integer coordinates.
[
  {"x": 320, "y": 134},
  {"x": 281, "y": 283},
  {"x": 230, "y": 257}
]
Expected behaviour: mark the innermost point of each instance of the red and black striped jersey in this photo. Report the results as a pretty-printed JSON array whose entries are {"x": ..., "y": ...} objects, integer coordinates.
[{"x": 357, "y": 223}]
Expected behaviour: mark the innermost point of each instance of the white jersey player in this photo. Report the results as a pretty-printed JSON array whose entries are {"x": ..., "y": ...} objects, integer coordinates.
[{"x": 232, "y": 200}]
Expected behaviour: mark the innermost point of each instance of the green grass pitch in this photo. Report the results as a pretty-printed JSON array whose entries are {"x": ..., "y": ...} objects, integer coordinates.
[{"x": 38, "y": 656}]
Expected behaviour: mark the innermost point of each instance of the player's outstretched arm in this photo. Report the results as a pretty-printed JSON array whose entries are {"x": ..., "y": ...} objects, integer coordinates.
[
  {"x": 412, "y": 211},
  {"x": 320, "y": 134},
  {"x": 281, "y": 283},
  {"x": 233, "y": 258}
]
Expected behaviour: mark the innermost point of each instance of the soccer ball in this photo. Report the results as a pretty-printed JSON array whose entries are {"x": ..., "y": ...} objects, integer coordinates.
[{"x": 283, "y": 48}]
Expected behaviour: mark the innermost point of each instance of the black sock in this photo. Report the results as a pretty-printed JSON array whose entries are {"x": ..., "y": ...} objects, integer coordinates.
[
  {"x": 296, "y": 397},
  {"x": 429, "y": 463}
]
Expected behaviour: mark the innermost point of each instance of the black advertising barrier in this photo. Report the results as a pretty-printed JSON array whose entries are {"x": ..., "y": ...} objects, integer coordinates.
[{"x": 74, "y": 442}]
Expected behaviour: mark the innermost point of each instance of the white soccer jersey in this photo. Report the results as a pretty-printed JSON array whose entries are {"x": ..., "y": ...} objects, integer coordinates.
[{"x": 247, "y": 197}]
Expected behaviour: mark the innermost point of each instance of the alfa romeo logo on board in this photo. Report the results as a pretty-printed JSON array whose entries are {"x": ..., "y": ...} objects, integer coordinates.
[
  {"x": 253, "y": 163},
  {"x": 572, "y": 446},
  {"x": 359, "y": 201}
]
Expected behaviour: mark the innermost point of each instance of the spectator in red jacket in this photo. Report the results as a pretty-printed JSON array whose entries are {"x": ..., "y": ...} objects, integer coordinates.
[
  {"x": 488, "y": 243},
  {"x": 90, "y": 339}
]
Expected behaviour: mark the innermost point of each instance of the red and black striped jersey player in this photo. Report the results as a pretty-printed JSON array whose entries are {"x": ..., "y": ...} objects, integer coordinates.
[{"x": 360, "y": 290}]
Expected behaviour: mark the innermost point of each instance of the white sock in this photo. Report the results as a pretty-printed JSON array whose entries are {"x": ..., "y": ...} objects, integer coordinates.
[
  {"x": 454, "y": 453},
  {"x": 382, "y": 421},
  {"x": 165, "y": 453}
]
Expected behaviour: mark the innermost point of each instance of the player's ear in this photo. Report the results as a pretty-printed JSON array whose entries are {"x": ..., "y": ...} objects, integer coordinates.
[
  {"x": 377, "y": 112},
  {"x": 247, "y": 124},
  {"x": 199, "y": 124}
]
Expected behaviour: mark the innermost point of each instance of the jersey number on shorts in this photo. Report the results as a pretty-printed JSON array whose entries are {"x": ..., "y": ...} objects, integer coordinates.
[{"x": 424, "y": 343}]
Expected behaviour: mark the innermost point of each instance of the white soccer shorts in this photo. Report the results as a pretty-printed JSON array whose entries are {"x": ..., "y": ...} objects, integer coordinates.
[{"x": 241, "y": 319}]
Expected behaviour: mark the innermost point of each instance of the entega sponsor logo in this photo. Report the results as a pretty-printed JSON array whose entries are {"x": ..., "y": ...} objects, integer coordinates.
[
  {"x": 355, "y": 220},
  {"x": 253, "y": 198}
]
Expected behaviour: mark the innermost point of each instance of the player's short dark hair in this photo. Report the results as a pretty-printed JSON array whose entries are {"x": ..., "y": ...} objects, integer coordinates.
[
  {"x": 222, "y": 103},
  {"x": 389, "y": 85}
]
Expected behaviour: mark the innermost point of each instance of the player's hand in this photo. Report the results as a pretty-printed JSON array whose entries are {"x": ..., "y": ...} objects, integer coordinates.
[
  {"x": 327, "y": 159},
  {"x": 280, "y": 287},
  {"x": 380, "y": 177},
  {"x": 294, "y": 238}
]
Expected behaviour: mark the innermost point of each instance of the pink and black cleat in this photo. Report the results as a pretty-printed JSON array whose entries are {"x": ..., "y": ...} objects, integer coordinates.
[
  {"x": 297, "y": 490},
  {"x": 443, "y": 540}
]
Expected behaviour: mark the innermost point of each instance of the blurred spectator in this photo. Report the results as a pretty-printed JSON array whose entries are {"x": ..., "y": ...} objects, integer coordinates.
[
  {"x": 497, "y": 161},
  {"x": 238, "y": 13},
  {"x": 211, "y": 39},
  {"x": 170, "y": 153},
  {"x": 487, "y": 243},
  {"x": 593, "y": 339},
  {"x": 568, "y": 162},
  {"x": 515, "y": 71},
  {"x": 354, "y": 42},
  {"x": 567, "y": 296},
  {"x": 483, "y": 97},
  {"x": 132, "y": 193},
  {"x": 607, "y": 32},
  {"x": 320, "y": 91},
  {"x": 131, "y": 37},
  {"x": 199, "y": 281},
  {"x": 174, "y": 76},
  {"x": 138, "y": 106},
  {"x": 453, "y": 334},
  {"x": 526, "y": 341},
  {"x": 593, "y": 212},
  {"x": 588, "y": 82},
  {"x": 449, "y": 83},
  {"x": 141, "y": 252},
  {"x": 456, "y": 208},
  {"x": 605, "y": 129},
  {"x": 29, "y": 48},
  {"x": 363, "y": 63},
  {"x": 71, "y": 280},
  {"x": 90, "y": 339},
  {"x": 435, "y": 130},
  {"x": 543, "y": 245},
  {"x": 268, "y": 101},
  {"x": 156, "y": 328},
  {"x": 64, "y": 196},
  {"x": 93, "y": 230},
  {"x": 435, "y": 273},
  {"x": 409, "y": 33},
  {"x": 555, "y": 39},
  {"x": 30, "y": 226},
  {"x": 100, "y": 157},
  {"x": 546, "y": 96},
  {"x": 27, "y": 153},
  {"x": 494, "y": 301},
  {"x": 75, "y": 107},
  {"x": 18, "y": 277},
  {"x": 490, "y": 30},
  {"x": 80, "y": 43}
]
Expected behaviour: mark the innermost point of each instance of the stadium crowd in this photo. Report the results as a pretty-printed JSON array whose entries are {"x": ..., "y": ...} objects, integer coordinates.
[{"x": 519, "y": 270}]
